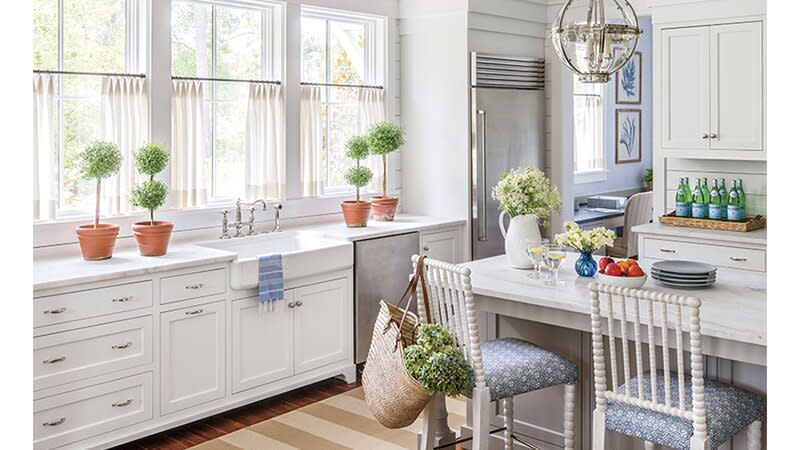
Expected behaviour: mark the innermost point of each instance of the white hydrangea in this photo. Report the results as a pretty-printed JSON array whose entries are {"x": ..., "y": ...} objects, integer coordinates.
[
  {"x": 585, "y": 240},
  {"x": 527, "y": 191}
]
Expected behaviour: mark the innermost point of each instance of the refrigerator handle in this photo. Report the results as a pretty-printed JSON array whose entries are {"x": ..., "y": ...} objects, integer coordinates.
[{"x": 482, "y": 202}]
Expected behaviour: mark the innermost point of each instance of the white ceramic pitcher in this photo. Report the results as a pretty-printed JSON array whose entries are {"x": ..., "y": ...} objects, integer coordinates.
[{"x": 520, "y": 230}]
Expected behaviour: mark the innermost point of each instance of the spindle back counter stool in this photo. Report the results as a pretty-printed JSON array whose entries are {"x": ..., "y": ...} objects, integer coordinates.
[{"x": 687, "y": 411}]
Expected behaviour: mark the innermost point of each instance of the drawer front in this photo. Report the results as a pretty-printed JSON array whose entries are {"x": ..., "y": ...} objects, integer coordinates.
[
  {"x": 718, "y": 255},
  {"x": 66, "y": 418},
  {"x": 73, "y": 355},
  {"x": 192, "y": 285},
  {"x": 62, "y": 308}
]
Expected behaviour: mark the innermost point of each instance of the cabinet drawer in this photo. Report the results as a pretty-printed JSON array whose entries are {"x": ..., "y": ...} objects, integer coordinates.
[
  {"x": 66, "y": 418},
  {"x": 73, "y": 355},
  {"x": 192, "y": 285},
  {"x": 720, "y": 256},
  {"x": 62, "y": 308}
]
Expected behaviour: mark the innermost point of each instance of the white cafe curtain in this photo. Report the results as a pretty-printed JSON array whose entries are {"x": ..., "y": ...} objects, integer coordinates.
[
  {"x": 45, "y": 161},
  {"x": 189, "y": 145},
  {"x": 265, "y": 148},
  {"x": 124, "y": 114},
  {"x": 588, "y": 133},
  {"x": 372, "y": 109},
  {"x": 311, "y": 141}
]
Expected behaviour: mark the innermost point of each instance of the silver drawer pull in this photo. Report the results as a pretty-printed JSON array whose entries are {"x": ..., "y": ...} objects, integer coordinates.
[
  {"x": 122, "y": 404},
  {"x": 194, "y": 286},
  {"x": 291, "y": 305},
  {"x": 122, "y": 346},
  {"x": 122, "y": 299},
  {"x": 55, "y": 311},
  {"x": 738, "y": 258},
  {"x": 667, "y": 250},
  {"x": 54, "y": 422},
  {"x": 298, "y": 303},
  {"x": 196, "y": 311},
  {"x": 54, "y": 360}
]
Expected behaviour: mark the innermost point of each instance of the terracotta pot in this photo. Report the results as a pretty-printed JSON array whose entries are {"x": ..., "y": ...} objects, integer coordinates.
[
  {"x": 383, "y": 208},
  {"x": 649, "y": 185},
  {"x": 152, "y": 240},
  {"x": 356, "y": 213},
  {"x": 97, "y": 243}
]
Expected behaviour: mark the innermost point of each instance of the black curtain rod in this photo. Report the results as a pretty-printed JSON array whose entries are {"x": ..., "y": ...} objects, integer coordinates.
[
  {"x": 362, "y": 86},
  {"x": 227, "y": 80},
  {"x": 99, "y": 74}
]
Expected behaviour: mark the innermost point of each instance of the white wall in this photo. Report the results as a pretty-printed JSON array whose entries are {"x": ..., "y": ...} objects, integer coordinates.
[{"x": 629, "y": 175}]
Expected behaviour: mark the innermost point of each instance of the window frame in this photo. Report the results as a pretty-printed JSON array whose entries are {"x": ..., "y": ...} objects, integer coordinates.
[{"x": 598, "y": 174}]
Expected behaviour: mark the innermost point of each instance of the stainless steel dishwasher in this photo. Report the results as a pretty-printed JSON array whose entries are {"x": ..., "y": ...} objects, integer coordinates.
[{"x": 382, "y": 269}]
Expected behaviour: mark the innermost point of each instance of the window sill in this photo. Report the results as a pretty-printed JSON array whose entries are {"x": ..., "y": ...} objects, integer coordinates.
[{"x": 590, "y": 176}]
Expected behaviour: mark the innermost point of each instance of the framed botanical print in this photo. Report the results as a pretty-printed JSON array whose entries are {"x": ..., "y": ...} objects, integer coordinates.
[
  {"x": 628, "y": 136},
  {"x": 629, "y": 81}
]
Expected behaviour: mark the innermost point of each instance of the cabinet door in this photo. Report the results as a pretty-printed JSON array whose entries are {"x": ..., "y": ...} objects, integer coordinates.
[
  {"x": 192, "y": 356},
  {"x": 736, "y": 87},
  {"x": 323, "y": 324},
  {"x": 262, "y": 343},
  {"x": 442, "y": 245},
  {"x": 684, "y": 88}
]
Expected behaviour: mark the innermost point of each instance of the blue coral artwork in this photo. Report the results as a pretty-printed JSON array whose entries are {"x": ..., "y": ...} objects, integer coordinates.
[
  {"x": 629, "y": 81},
  {"x": 628, "y": 136}
]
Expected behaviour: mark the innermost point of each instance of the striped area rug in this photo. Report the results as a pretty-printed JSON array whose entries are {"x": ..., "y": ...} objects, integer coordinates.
[{"x": 339, "y": 422}]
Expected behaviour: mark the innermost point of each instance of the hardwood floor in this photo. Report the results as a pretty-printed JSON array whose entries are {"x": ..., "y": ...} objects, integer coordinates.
[{"x": 215, "y": 426}]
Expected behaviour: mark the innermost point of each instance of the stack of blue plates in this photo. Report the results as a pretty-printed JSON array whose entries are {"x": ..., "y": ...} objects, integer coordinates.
[{"x": 684, "y": 274}]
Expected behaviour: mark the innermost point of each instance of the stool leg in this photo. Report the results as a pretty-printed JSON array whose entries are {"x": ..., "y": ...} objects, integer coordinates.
[
  {"x": 649, "y": 445},
  {"x": 481, "y": 418},
  {"x": 569, "y": 417},
  {"x": 754, "y": 436},
  {"x": 508, "y": 421},
  {"x": 598, "y": 430}
]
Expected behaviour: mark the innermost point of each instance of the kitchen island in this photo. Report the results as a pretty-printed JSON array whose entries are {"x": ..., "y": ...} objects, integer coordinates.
[{"x": 733, "y": 323}]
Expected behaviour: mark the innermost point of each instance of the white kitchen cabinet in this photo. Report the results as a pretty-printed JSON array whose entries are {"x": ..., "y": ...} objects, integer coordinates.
[
  {"x": 323, "y": 331},
  {"x": 262, "y": 343},
  {"x": 711, "y": 100},
  {"x": 192, "y": 356},
  {"x": 441, "y": 245}
]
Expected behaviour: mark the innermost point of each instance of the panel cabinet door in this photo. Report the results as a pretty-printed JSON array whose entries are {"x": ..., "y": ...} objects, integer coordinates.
[
  {"x": 684, "y": 89},
  {"x": 323, "y": 324},
  {"x": 262, "y": 343},
  {"x": 737, "y": 100},
  {"x": 192, "y": 356},
  {"x": 442, "y": 245}
]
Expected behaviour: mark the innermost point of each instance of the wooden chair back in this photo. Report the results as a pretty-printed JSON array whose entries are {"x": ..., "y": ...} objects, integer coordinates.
[{"x": 638, "y": 211}]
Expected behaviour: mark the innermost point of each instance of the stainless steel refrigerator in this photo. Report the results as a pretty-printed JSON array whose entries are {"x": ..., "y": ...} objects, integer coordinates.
[{"x": 507, "y": 131}]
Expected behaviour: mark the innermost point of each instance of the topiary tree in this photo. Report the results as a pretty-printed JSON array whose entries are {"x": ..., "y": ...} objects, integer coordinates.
[
  {"x": 99, "y": 160},
  {"x": 384, "y": 138},
  {"x": 150, "y": 160},
  {"x": 358, "y": 176}
]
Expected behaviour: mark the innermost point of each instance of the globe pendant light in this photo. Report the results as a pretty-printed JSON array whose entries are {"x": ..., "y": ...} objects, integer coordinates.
[{"x": 595, "y": 38}]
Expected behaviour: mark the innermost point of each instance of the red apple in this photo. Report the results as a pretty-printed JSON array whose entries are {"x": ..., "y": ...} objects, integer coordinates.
[
  {"x": 613, "y": 270},
  {"x": 604, "y": 261}
]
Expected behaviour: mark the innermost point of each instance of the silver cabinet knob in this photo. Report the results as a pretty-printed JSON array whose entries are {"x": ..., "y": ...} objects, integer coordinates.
[
  {"x": 54, "y": 423},
  {"x": 705, "y": 136},
  {"x": 291, "y": 305},
  {"x": 712, "y": 136},
  {"x": 298, "y": 303},
  {"x": 425, "y": 249}
]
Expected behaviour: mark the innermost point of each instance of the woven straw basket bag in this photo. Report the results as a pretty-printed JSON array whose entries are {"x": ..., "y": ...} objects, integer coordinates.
[{"x": 393, "y": 396}]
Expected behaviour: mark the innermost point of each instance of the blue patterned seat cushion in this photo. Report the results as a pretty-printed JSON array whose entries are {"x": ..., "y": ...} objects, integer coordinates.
[
  {"x": 729, "y": 409},
  {"x": 514, "y": 367}
]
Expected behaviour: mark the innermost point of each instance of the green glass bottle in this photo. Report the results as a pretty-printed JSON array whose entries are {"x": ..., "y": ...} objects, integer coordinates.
[
  {"x": 733, "y": 203},
  {"x": 698, "y": 202},
  {"x": 742, "y": 201},
  {"x": 683, "y": 202},
  {"x": 706, "y": 192},
  {"x": 723, "y": 196},
  {"x": 715, "y": 203}
]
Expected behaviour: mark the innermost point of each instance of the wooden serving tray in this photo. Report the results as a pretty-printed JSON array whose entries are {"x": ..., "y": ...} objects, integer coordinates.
[{"x": 752, "y": 223}]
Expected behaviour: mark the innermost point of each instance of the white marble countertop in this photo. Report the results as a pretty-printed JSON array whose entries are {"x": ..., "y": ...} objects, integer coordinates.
[
  {"x": 402, "y": 223},
  {"x": 733, "y": 309},
  {"x": 756, "y": 237}
]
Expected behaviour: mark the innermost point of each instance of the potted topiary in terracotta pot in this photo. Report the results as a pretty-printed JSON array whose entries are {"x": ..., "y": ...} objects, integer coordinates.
[
  {"x": 152, "y": 236},
  {"x": 384, "y": 138},
  {"x": 356, "y": 213},
  {"x": 99, "y": 160}
]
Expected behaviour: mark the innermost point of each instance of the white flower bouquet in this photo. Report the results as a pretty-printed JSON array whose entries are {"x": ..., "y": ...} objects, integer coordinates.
[
  {"x": 527, "y": 191},
  {"x": 587, "y": 241}
]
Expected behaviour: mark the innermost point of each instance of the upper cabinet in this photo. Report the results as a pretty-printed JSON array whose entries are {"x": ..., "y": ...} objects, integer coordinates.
[{"x": 712, "y": 102}]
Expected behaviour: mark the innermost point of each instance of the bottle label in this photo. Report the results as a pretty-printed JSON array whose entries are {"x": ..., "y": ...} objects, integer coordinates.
[
  {"x": 698, "y": 210},
  {"x": 715, "y": 212},
  {"x": 734, "y": 213},
  {"x": 683, "y": 210}
]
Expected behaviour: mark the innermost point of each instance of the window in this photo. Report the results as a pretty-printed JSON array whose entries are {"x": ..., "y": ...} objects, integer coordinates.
[
  {"x": 224, "y": 41},
  {"x": 87, "y": 37},
  {"x": 340, "y": 52},
  {"x": 589, "y": 163}
]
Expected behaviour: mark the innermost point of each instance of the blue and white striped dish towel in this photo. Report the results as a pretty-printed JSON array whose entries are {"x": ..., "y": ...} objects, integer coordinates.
[{"x": 270, "y": 281}]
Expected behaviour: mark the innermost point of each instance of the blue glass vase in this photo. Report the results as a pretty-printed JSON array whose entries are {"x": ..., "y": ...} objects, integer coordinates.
[{"x": 586, "y": 266}]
